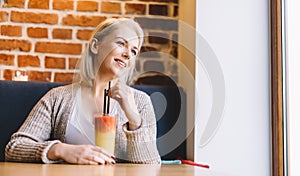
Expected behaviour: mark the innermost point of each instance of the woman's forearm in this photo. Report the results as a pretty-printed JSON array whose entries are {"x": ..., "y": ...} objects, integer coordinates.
[{"x": 132, "y": 115}]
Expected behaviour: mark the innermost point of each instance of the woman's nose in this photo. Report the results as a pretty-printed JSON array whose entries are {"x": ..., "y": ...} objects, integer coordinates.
[{"x": 126, "y": 53}]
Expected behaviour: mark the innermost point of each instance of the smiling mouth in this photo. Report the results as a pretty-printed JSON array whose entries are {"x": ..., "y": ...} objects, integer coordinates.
[{"x": 120, "y": 62}]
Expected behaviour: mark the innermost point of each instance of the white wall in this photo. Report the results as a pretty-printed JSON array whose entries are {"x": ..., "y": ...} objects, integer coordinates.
[
  {"x": 293, "y": 55},
  {"x": 237, "y": 32}
]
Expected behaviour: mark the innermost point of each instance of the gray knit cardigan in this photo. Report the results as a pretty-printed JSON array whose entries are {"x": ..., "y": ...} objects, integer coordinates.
[{"x": 47, "y": 122}]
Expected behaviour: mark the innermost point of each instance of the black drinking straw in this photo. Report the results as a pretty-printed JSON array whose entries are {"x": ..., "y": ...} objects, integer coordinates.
[
  {"x": 108, "y": 99},
  {"x": 104, "y": 103}
]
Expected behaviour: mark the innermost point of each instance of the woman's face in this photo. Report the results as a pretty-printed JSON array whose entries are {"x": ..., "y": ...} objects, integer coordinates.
[{"x": 117, "y": 52}]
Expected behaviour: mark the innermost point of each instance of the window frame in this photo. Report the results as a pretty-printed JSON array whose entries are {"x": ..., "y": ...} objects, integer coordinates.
[{"x": 278, "y": 89}]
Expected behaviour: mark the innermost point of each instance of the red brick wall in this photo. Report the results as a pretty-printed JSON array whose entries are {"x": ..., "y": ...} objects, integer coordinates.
[{"x": 47, "y": 37}]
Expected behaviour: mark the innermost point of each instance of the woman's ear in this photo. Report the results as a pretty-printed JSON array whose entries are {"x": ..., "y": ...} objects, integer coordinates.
[{"x": 94, "y": 46}]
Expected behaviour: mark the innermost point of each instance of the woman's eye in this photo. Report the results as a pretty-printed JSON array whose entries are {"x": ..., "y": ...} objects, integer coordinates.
[
  {"x": 120, "y": 43},
  {"x": 134, "y": 52}
]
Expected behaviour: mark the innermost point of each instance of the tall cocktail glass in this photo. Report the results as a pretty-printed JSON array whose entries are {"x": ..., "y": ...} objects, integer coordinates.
[{"x": 105, "y": 132}]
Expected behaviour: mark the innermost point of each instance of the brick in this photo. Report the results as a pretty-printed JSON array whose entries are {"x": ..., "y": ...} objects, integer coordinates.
[
  {"x": 20, "y": 45},
  {"x": 9, "y": 30},
  {"x": 73, "y": 63},
  {"x": 161, "y": 10},
  {"x": 156, "y": 78},
  {"x": 91, "y": 6},
  {"x": 62, "y": 33},
  {"x": 6, "y": 59},
  {"x": 149, "y": 51},
  {"x": 59, "y": 48},
  {"x": 37, "y": 32},
  {"x": 3, "y": 16},
  {"x": 15, "y": 3},
  {"x": 153, "y": 65},
  {"x": 39, "y": 76},
  {"x": 38, "y": 4},
  {"x": 174, "y": 68},
  {"x": 28, "y": 60},
  {"x": 84, "y": 34},
  {"x": 64, "y": 77},
  {"x": 7, "y": 74},
  {"x": 174, "y": 49},
  {"x": 175, "y": 11},
  {"x": 72, "y": 20},
  {"x": 55, "y": 62},
  {"x": 175, "y": 38},
  {"x": 63, "y": 4},
  {"x": 30, "y": 17},
  {"x": 159, "y": 24},
  {"x": 131, "y": 8},
  {"x": 159, "y": 38},
  {"x": 111, "y": 7}
]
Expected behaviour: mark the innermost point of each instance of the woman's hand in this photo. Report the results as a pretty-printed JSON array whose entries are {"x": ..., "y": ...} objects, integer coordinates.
[
  {"x": 124, "y": 95},
  {"x": 80, "y": 154}
]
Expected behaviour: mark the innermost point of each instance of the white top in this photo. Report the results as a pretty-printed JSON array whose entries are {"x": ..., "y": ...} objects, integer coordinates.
[{"x": 80, "y": 128}]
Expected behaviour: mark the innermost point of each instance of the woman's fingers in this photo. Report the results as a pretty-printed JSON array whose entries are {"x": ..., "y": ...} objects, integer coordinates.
[
  {"x": 101, "y": 156},
  {"x": 101, "y": 150},
  {"x": 88, "y": 162},
  {"x": 86, "y": 154},
  {"x": 98, "y": 160},
  {"x": 119, "y": 92},
  {"x": 104, "y": 159}
]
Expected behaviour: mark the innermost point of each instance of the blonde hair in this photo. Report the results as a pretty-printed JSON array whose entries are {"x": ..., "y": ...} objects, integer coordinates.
[{"x": 87, "y": 69}]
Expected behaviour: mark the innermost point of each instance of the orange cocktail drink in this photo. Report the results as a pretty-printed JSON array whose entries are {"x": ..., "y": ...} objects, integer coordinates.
[{"x": 105, "y": 132}]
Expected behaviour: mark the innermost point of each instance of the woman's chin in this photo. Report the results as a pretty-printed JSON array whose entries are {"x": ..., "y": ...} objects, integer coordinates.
[{"x": 119, "y": 73}]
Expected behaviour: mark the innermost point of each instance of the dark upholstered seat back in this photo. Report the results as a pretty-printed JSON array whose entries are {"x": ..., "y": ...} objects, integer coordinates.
[
  {"x": 169, "y": 104},
  {"x": 18, "y": 98},
  {"x": 16, "y": 101}
]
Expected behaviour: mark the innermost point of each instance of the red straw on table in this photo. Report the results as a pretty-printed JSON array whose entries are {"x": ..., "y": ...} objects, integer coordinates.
[{"x": 189, "y": 162}]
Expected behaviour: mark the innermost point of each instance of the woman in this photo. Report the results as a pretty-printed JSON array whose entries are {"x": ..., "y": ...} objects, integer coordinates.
[{"x": 60, "y": 127}]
